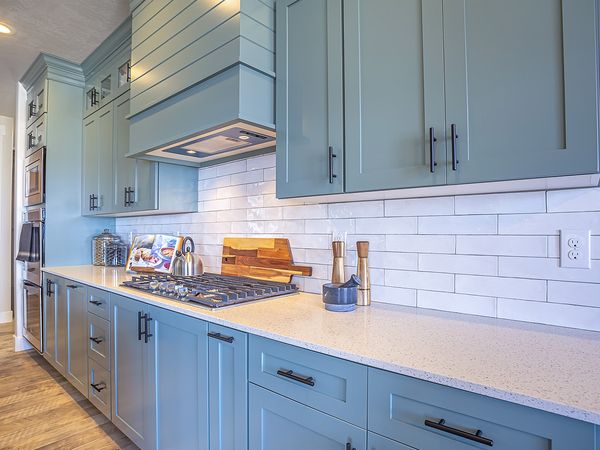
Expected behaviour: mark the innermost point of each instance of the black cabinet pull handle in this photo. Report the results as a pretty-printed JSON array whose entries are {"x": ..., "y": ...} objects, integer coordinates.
[
  {"x": 477, "y": 436},
  {"x": 221, "y": 337},
  {"x": 454, "y": 146},
  {"x": 72, "y": 286},
  {"x": 139, "y": 325},
  {"x": 126, "y": 197},
  {"x": 99, "y": 387},
  {"x": 96, "y": 340},
  {"x": 95, "y": 302},
  {"x": 93, "y": 204},
  {"x": 432, "y": 158},
  {"x": 146, "y": 333},
  {"x": 94, "y": 97},
  {"x": 128, "y": 72},
  {"x": 287, "y": 373},
  {"x": 49, "y": 284},
  {"x": 331, "y": 156}
]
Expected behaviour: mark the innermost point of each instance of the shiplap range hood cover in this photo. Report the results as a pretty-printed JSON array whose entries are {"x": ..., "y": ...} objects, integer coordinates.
[{"x": 198, "y": 97}]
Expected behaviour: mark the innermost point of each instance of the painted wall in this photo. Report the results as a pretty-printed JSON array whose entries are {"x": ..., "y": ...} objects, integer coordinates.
[
  {"x": 492, "y": 255},
  {"x": 6, "y": 162}
]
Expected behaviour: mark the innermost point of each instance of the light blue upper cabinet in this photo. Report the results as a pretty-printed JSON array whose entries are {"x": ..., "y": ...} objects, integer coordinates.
[
  {"x": 178, "y": 374},
  {"x": 521, "y": 88},
  {"x": 394, "y": 91},
  {"x": 309, "y": 98},
  {"x": 228, "y": 388}
]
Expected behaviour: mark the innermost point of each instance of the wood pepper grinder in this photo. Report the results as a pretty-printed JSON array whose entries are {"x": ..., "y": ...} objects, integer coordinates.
[
  {"x": 339, "y": 257},
  {"x": 362, "y": 270}
]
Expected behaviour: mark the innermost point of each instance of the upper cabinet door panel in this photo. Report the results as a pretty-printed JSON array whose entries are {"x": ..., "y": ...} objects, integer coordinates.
[
  {"x": 105, "y": 158},
  {"x": 309, "y": 98},
  {"x": 521, "y": 88},
  {"x": 394, "y": 91}
]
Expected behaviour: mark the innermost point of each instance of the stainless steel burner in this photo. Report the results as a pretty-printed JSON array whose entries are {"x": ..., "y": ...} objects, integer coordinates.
[{"x": 210, "y": 290}]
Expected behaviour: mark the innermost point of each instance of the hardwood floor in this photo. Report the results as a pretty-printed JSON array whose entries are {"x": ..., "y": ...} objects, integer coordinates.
[{"x": 39, "y": 409}]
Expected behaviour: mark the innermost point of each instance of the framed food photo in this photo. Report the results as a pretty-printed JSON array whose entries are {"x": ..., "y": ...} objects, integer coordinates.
[{"x": 153, "y": 253}]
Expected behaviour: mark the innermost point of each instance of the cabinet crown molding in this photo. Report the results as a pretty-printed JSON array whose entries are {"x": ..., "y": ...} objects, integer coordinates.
[{"x": 54, "y": 68}]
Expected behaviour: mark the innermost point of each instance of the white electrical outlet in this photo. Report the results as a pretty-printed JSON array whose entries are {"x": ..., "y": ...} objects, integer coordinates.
[{"x": 575, "y": 249}]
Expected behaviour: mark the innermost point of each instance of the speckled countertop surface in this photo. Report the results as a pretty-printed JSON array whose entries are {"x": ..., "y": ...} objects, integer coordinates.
[{"x": 548, "y": 368}]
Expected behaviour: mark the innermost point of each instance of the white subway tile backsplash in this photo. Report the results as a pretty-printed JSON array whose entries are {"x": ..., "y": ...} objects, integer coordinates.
[
  {"x": 253, "y": 176},
  {"x": 356, "y": 209},
  {"x": 506, "y": 203},
  {"x": 391, "y": 260},
  {"x": 393, "y": 295},
  {"x": 584, "y": 294},
  {"x": 501, "y": 245},
  {"x": 432, "y": 206},
  {"x": 473, "y": 265},
  {"x": 493, "y": 254},
  {"x": 466, "y": 304},
  {"x": 331, "y": 225},
  {"x": 387, "y": 225},
  {"x": 548, "y": 224},
  {"x": 546, "y": 269},
  {"x": 305, "y": 212},
  {"x": 420, "y": 244},
  {"x": 550, "y": 313},
  {"x": 458, "y": 225},
  {"x": 420, "y": 280},
  {"x": 574, "y": 200},
  {"x": 232, "y": 167},
  {"x": 501, "y": 287}
]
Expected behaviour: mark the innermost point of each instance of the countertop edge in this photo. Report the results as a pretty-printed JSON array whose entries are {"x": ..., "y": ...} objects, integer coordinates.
[{"x": 541, "y": 404}]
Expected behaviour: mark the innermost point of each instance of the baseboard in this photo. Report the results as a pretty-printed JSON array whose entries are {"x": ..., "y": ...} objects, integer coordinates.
[
  {"x": 22, "y": 344},
  {"x": 6, "y": 316}
]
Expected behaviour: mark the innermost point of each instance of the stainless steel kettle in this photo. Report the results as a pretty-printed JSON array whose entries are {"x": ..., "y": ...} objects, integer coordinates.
[{"x": 188, "y": 263}]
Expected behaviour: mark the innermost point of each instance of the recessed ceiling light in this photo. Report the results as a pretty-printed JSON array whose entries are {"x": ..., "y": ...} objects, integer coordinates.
[{"x": 5, "y": 29}]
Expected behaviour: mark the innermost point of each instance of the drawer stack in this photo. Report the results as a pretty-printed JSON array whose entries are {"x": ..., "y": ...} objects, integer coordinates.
[
  {"x": 297, "y": 392},
  {"x": 98, "y": 349}
]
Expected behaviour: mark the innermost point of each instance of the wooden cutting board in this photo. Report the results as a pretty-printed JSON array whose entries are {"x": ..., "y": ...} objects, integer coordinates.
[{"x": 261, "y": 258}]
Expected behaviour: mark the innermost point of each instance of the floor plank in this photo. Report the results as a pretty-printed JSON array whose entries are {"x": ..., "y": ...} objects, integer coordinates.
[{"x": 39, "y": 409}]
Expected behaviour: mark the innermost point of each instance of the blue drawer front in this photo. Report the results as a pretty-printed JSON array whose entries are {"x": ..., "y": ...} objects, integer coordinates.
[
  {"x": 400, "y": 405},
  {"x": 278, "y": 423},
  {"x": 338, "y": 387},
  {"x": 376, "y": 442}
]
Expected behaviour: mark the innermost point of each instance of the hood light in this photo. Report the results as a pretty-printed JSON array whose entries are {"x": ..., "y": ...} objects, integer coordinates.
[
  {"x": 191, "y": 152},
  {"x": 5, "y": 29},
  {"x": 243, "y": 137}
]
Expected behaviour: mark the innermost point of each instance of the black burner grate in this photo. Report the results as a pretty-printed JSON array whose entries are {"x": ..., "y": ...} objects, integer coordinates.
[{"x": 211, "y": 290}]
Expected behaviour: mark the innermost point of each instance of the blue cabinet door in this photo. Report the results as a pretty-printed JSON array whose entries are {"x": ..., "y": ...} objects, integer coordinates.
[
  {"x": 522, "y": 97},
  {"x": 394, "y": 94},
  {"x": 228, "y": 388},
  {"x": 132, "y": 397},
  {"x": 377, "y": 442},
  {"x": 61, "y": 348},
  {"x": 76, "y": 368},
  {"x": 49, "y": 287},
  {"x": 89, "y": 197},
  {"x": 309, "y": 96},
  {"x": 277, "y": 423},
  {"x": 178, "y": 374}
]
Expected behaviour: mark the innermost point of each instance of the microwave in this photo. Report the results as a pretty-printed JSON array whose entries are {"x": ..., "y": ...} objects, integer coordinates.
[{"x": 34, "y": 188}]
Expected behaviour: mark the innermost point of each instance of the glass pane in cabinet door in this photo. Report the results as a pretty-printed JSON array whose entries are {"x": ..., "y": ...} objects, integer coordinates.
[
  {"x": 40, "y": 99},
  {"x": 124, "y": 74},
  {"x": 105, "y": 87}
]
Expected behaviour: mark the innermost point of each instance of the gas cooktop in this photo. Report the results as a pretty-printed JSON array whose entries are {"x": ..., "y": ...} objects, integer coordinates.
[{"x": 210, "y": 290}]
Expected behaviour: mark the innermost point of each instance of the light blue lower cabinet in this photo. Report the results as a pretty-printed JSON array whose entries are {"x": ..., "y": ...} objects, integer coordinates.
[
  {"x": 277, "y": 423},
  {"x": 179, "y": 377},
  {"x": 228, "y": 388},
  {"x": 430, "y": 416},
  {"x": 376, "y": 442},
  {"x": 132, "y": 396}
]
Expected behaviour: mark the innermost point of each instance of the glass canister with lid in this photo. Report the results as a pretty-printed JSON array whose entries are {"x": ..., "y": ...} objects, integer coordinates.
[{"x": 108, "y": 250}]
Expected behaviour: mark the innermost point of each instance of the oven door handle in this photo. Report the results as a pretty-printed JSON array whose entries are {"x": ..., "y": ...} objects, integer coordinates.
[{"x": 30, "y": 284}]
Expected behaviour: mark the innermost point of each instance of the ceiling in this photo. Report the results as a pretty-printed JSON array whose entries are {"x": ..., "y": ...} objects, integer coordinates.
[{"x": 71, "y": 29}]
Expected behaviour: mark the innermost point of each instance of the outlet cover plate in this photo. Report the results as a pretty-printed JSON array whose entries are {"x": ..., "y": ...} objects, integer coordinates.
[{"x": 575, "y": 249}]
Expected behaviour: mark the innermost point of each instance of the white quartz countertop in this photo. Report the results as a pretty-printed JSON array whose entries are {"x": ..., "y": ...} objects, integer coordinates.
[{"x": 549, "y": 368}]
